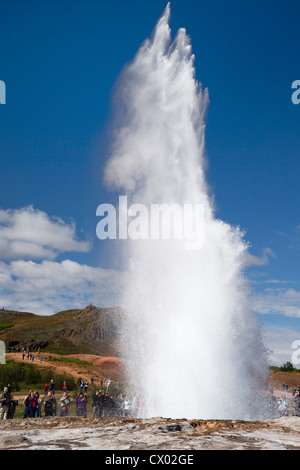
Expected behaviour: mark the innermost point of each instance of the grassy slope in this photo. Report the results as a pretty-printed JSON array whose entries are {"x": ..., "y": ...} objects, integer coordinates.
[{"x": 64, "y": 331}]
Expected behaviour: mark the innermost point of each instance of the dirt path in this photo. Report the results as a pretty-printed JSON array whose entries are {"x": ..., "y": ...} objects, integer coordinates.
[{"x": 101, "y": 367}]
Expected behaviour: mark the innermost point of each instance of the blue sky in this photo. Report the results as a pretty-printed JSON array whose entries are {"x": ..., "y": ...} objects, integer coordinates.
[{"x": 60, "y": 61}]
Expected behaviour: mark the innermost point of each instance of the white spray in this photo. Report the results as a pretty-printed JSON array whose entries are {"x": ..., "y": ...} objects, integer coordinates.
[{"x": 191, "y": 341}]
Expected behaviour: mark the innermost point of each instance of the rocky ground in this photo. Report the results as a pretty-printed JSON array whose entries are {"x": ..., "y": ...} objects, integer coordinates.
[
  {"x": 72, "y": 433},
  {"x": 120, "y": 434}
]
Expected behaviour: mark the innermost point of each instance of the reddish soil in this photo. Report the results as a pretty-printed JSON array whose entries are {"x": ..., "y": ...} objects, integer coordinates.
[
  {"x": 112, "y": 367},
  {"x": 277, "y": 379},
  {"x": 102, "y": 367}
]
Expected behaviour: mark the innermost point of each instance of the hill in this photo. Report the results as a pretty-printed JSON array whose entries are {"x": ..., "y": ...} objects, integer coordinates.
[{"x": 90, "y": 330}]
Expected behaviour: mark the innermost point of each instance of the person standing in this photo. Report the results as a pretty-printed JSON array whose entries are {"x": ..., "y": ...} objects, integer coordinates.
[
  {"x": 96, "y": 405},
  {"x": 52, "y": 387},
  {"x": 101, "y": 399},
  {"x": 4, "y": 403},
  {"x": 296, "y": 400},
  {"x": 127, "y": 405},
  {"x": 32, "y": 400},
  {"x": 26, "y": 406},
  {"x": 81, "y": 405},
  {"x": 283, "y": 406},
  {"x": 12, "y": 408},
  {"x": 64, "y": 405},
  {"x": 49, "y": 404},
  {"x": 39, "y": 401},
  {"x": 107, "y": 383}
]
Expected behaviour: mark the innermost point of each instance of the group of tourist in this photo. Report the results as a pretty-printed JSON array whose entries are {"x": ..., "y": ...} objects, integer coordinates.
[
  {"x": 105, "y": 405},
  {"x": 290, "y": 406},
  {"x": 283, "y": 406},
  {"x": 36, "y": 405},
  {"x": 51, "y": 405},
  {"x": 33, "y": 402}
]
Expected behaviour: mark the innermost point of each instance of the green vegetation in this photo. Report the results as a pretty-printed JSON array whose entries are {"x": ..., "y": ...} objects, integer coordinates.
[
  {"x": 69, "y": 360},
  {"x": 286, "y": 367},
  {"x": 5, "y": 324},
  {"x": 26, "y": 376}
]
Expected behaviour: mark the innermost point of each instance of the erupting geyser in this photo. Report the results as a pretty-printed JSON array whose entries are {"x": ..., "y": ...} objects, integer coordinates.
[{"x": 192, "y": 342}]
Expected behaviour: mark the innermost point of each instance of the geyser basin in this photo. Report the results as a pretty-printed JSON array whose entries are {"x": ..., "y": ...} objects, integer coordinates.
[{"x": 192, "y": 343}]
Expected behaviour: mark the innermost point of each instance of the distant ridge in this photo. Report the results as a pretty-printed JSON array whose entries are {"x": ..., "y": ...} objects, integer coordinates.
[{"x": 91, "y": 330}]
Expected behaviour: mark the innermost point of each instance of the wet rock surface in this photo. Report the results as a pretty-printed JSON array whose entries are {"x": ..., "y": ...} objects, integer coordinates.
[{"x": 72, "y": 433}]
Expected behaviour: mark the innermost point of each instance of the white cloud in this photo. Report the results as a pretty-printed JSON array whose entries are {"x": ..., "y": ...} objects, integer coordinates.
[
  {"x": 48, "y": 287},
  {"x": 277, "y": 281},
  {"x": 32, "y": 281},
  {"x": 30, "y": 233},
  {"x": 282, "y": 301},
  {"x": 263, "y": 260}
]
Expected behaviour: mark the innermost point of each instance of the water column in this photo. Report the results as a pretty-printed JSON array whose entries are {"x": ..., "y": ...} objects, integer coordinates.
[{"x": 191, "y": 341}]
